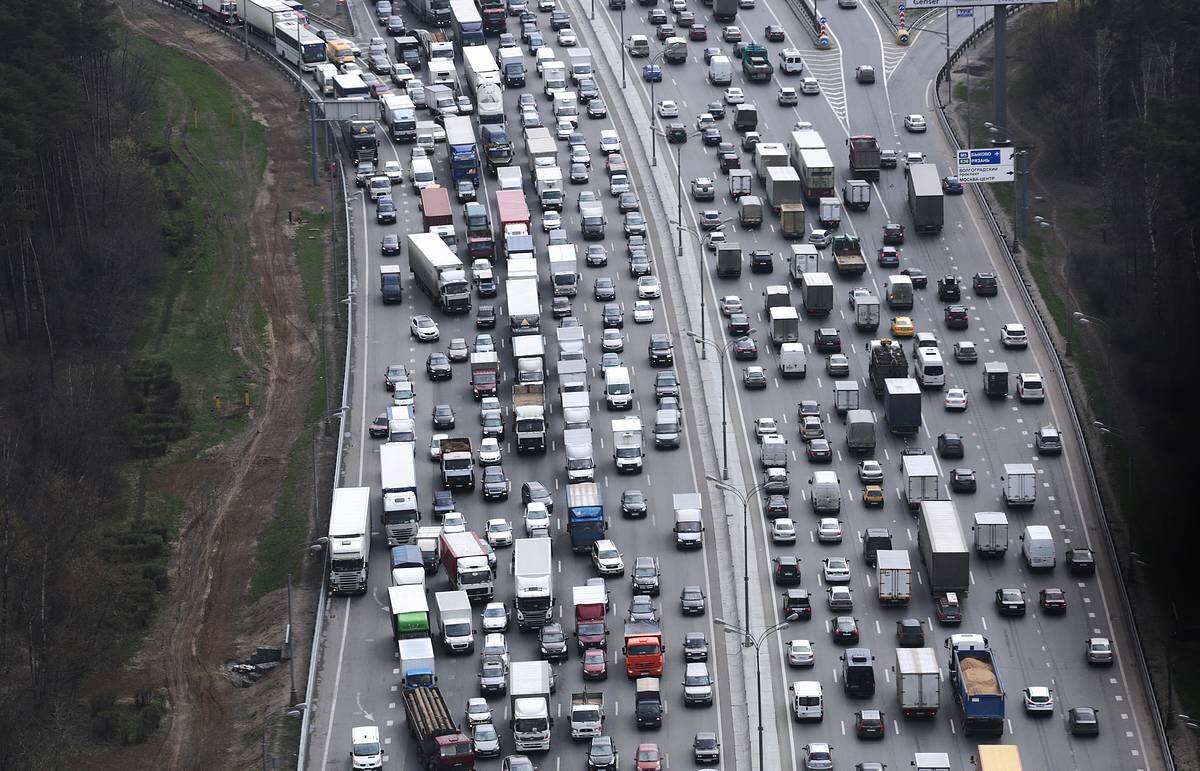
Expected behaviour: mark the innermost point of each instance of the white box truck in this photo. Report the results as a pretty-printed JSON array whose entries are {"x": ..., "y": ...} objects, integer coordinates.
[
  {"x": 349, "y": 540},
  {"x": 921, "y": 482},
  {"x": 627, "y": 445},
  {"x": 991, "y": 533},
  {"x": 785, "y": 325},
  {"x": 918, "y": 682},
  {"x": 894, "y": 573},
  {"x": 455, "y": 629},
  {"x": 564, "y": 275},
  {"x": 529, "y": 685},
  {"x": 398, "y": 482},
  {"x": 1020, "y": 484}
]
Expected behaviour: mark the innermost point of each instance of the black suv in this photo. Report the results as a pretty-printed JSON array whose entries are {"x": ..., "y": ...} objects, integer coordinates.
[
  {"x": 948, "y": 289},
  {"x": 552, "y": 642},
  {"x": 950, "y": 445},
  {"x": 786, "y": 570},
  {"x": 985, "y": 285},
  {"x": 1081, "y": 562},
  {"x": 827, "y": 340},
  {"x": 676, "y": 133},
  {"x": 485, "y": 317},
  {"x": 762, "y": 261},
  {"x": 893, "y": 234},
  {"x": 633, "y": 504},
  {"x": 645, "y": 576},
  {"x": 796, "y": 602},
  {"x": 662, "y": 353}
]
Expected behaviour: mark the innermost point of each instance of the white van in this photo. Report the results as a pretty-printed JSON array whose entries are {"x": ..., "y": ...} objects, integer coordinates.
[
  {"x": 422, "y": 174},
  {"x": 720, "y": 71},
  {"x": 366, "y": 751},
  {"x": 808, "y": 700},
  {"x": 790, "y": 62},
  {"x": 566, "y": 105},
  {"x": 1037, "y": 547},
  {"x": 324, "y": 75},
  {"x": 929, "y": 369},
  {"x": 618, "y": 392},
  {"x": 792, "y": 360},
  {"x": 825, "y": 492}
]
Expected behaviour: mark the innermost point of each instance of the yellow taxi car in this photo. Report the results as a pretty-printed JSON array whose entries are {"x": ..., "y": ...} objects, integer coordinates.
[
  {"x": 873, "y": 495},
  {"x": 902, "y": 326}
]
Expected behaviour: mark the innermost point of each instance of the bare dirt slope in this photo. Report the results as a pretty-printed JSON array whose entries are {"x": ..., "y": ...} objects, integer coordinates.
[{"x": 203, "y": 624}]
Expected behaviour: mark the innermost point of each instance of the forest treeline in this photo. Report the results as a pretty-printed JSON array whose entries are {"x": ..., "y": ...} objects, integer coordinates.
[
  {"x": 82, "y": 243},
  {"x": 1116, "y": 88}
]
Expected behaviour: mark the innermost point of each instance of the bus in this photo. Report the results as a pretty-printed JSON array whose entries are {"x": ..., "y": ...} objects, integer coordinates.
[
  {"x": 495, "y": 16},
  {"x": 466, "y": 23},
  {"x": 350, "y": 86},
  {"x": 299, "y": 45}
]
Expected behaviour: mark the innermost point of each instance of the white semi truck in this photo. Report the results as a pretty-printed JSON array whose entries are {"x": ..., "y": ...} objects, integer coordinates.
[
  {"x": 349, "y": 540},
  {"x": 398, "y": 481}
]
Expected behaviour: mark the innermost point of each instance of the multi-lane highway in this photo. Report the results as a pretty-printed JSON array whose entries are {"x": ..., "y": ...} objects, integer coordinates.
[{"x": 358, "y": 679}]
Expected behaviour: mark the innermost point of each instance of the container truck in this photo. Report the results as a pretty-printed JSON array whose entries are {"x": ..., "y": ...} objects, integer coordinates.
[
  {"x": 592, "y": 221},
  {"x": 541, "y": 148},
  {"x": 627, "y": 445},
  {"x": 390, "y": 287},
  {"x": 643, "y": 649},
  {"x": 848, "y": 256},
  {"x": 864, "y": 157},
  {"x": 920, "y": 480},
  {"x": 418, "y": 667},
  {"x": 776, "y": 296},
  {"x": 480, "y": 244},
  {"x": 925, "y": 197},
  {"x": 977, "y": 686},
  {"x": 860, "y": 431},
  {"x": 829, "y": 212},
  {"x": 580, "y": 462},
  {"x": 725, "y": 10},
  {"x": 409, "y": 610},
  {"x": 783, "y": 187},
  {"x": 455, "y": 631},
  {"x": 529, "y": 416},
  {"x": 768, "y": 155},
  {"x": 804, "y": 259},
  {"x": 434, "y": 12},
  {"x": 262, "y": 16},
  {"x": 398, "y": 482},
  {"x": 1020, "y": 484},
  {"x": 512, "y": 210},
  {"x": 918, "y": 682},
  {"x": 576, "y": 410},
  {"x": 816, "y": 294},
  {"x": 750, "y": 211},
  {"x": 548, "y": 182},
  {"x": 943, "y": 548},
  {"x": 435, "y": 736},
  {"x": 480, "y": 67},
  {"x": 458, "y": 463},
  {"x": 435, "y": 208},
  {"x": 349, "y": 540},
  {"x": 571, "y": 344},
  {"x": 533, "y": 577},
  {"x": 497, "y": 147},
  {"x": 461, "y": 146},
  {"x": 991, "y": 533},
  {"x": 785, "y": 325},
  {"x": 902, "y": 405},
  {"x": 894, "y": 575},
  {"x": 529, "y": 686},
  {"x": 573, "y": 377},
  {"x": 579, "y": 61},
  {"x": 846, "y": 396},
  {"x": 485, "y": 374},
  {"x": 856, "y": 194},
  {"x": 741, "y": 181},
  {"x": 865, "y": 307},
  {"x": 791, "y": 220},
  {"x": 564, "y": 276},
  {"x": 399, "y": 114},
  {"x": 816, "y": 174},
  {"x": 587, "y": 715},
  {"x": 439, "y": 272},
  {"x": 466, "y": 565},
  {"x": 591, "y": 605},
  {"x": 995, "y": 379},
  {"x": 524, "y": 309},
  {"x": 729, "y": 260},
  {"x": 429, "y": 541},
  {"x": 586, "y": 522}
]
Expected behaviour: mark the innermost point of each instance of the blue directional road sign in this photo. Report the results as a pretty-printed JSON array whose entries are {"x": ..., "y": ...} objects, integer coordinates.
[{"x": 991, "y": 164}]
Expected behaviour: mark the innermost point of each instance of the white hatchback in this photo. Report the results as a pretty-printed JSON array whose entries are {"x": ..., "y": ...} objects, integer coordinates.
[{"x": 668, "y": 108}]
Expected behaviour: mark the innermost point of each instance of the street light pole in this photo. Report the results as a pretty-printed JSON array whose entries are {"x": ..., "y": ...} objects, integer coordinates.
[
  {"x": 744, "y": 498},
  {"x": 624, "y": 52},
  {"x": 723, "y": 349},
  {"x": 749, "y": 641},
  {"x": 679, "y": 198}
]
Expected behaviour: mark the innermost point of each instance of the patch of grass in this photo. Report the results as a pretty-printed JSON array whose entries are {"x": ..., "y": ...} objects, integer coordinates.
[
  {"x": 211, "y": 154},
  {"x": 288, "y": 530}
]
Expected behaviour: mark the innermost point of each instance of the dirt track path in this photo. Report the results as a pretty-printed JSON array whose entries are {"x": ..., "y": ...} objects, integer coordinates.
[{"x": 228, "y": 501}]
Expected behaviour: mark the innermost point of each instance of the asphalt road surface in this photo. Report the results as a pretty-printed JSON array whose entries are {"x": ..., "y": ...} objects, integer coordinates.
[{"x": 358, "y": 680}]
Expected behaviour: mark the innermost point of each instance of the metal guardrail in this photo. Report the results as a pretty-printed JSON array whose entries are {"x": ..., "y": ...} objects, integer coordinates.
[{"x": 1065, "y": 385}]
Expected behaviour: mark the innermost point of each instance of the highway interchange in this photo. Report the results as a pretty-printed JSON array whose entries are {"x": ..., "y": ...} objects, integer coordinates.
[{"x": 358, "y": 675}]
